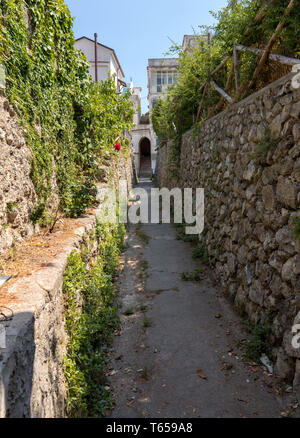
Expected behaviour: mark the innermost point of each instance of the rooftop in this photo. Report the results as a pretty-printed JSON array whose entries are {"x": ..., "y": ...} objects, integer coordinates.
[
  {"x": 163, "y": 62},
  {"x": 106, "y": 47}
]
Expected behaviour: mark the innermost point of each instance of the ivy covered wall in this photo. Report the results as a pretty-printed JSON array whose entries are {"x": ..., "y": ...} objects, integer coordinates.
[{"x": 70, "y": 123}]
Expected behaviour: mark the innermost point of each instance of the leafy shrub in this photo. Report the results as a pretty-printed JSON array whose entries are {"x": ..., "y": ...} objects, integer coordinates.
[
  {"x": 91, "y": 318},
  {"x": 258, "y": 345},
  {"x": 200, "y": 252},
  {"x": 296, "y": 227},
  {"x": 192, "y": 276},
  {"x": 235, "y": 24}
]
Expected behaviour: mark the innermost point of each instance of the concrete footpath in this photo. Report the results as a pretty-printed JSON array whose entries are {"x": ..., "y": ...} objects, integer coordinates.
[{"x": 178, "y": 354}]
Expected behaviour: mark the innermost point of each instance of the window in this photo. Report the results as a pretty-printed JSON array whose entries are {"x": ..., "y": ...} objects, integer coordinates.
[
  {"x": 154, "y": 102},
  {"x": 161, "y": 81},
  {"x": 165, "y": 79},
  {"x": 159, "y": 78},
  {"x": 172, "y": 78}
]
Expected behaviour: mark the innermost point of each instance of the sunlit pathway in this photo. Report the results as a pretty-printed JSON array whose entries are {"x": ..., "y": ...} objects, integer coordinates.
[{"x": 177, "y": 354}]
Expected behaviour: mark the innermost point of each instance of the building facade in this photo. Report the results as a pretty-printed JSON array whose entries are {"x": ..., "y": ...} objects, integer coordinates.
[
  {"x": 142, "y": 138},
  {"x": 108, "y": 64},
  {"x": 162, "y": 73}
]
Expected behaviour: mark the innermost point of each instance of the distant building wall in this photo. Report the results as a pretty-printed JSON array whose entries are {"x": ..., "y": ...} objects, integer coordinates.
[
  {"x": 162, "y": 73},
  {"x": 108, "y": 64}
]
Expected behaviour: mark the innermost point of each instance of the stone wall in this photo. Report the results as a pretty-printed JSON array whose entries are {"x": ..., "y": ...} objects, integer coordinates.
[
  {"x": 17, "y": 193},
  {"x": 32, "y": 380},
  {"x": 248, "y": 160}
]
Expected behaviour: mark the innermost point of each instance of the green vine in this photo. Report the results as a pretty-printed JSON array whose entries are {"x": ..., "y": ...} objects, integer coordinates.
[
  {"x": 91, "y": 318},
  {"x": 235, "y": 24},
  {"x": 296, "y": 227},
  {"x": 70, "y": 122}
]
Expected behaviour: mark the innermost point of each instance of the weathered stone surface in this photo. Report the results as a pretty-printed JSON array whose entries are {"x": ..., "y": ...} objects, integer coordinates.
[
  {"x": 287, "y": 167},
  {"x": 250, "y": 172},
  {"x": 285, "y": 239},
  {"x": 32, "y": 379},
  {"x": 276, "y": 127},
  {"x": 296, "y": 383},
  {"x": 17, "y": 194},
  {"x": 256, "y": 293},
  {"x": 284, "y": 367},
  {"x": 288, "y": 344},
  {"x": 296, "y": 171},
  {"x": 286, "y": 192},
  {"x": 270, "y": 174},
  {"x": 295, "y": 111},
  {"x": 289, "y": 270},
  {"x": 268, "y": 197},
  {"x": 296, "y": 131}
]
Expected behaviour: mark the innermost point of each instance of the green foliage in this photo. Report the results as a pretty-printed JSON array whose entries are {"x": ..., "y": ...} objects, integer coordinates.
[
  {"x": 91, "y": 319},
  {"x": 258, "y": 345},
  {"x": 143, "y": 236},
  {"x": 145, "y": 373},
  {"x": 265, "y": 144},
  {"x": 192, "y": 276},
  {"x": 200, "y": 252},
  {"x": 296, "y": 227},
  {"x": 37, "y": 215},
  {"x": 129, "y": 311},
  {"x": 70, "y": 122},
  {"x": 147, "y": 322},
  {"x": 181, "y": 234},
  {"x": 11, "y": 206},
  {"x": 235, "y": 24}
]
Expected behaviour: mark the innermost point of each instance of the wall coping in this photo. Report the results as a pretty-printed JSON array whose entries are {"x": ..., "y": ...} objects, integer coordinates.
[{"x": 235, "y": 106}]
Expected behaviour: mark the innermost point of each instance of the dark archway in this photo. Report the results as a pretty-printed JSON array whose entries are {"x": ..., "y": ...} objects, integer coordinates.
[{"x": 145, "y": 158}]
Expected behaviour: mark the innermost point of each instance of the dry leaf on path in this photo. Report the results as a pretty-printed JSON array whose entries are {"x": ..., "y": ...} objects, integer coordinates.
[{"x": 202, "y": 374}]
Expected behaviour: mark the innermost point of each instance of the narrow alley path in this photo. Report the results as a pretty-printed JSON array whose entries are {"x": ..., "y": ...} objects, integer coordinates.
[{"x": 177, "y": 355}]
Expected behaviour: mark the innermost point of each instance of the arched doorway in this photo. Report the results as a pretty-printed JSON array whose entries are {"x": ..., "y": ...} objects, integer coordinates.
[{"x": 145, "y": 158}]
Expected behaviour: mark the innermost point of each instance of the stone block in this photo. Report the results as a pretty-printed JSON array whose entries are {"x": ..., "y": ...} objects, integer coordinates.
[
  {"x": 286, "y": 192},
  {"x": 269, "y": 198},
  {"x": 285, "y": 367}
]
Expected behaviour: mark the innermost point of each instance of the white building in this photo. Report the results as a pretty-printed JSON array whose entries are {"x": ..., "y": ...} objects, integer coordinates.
[
  {"x": 142, "y": 138},
  {"x": 162, "y": 73},
  {"x": 107, "y": 61},
  {"x": 190, "y": 41}
]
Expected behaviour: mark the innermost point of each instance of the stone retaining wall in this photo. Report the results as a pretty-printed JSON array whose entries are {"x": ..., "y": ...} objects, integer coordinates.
[
  {"x": 248, "y": 160},
  {"x": 32, "y": 380},
  {"x": 17, "y": 193}
]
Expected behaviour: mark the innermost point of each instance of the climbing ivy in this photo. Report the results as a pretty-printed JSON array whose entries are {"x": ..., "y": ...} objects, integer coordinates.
[{"x": 70, "y": 122}]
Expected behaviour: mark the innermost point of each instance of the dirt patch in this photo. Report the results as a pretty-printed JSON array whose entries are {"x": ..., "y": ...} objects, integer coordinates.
[{"x": 37, "y": 252}]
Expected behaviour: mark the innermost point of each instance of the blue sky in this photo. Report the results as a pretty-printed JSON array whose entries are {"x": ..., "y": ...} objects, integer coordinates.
[{"x": 139, "y": 30}]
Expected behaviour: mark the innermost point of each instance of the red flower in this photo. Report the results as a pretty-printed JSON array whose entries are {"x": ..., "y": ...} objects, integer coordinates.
[{"x": 117, "y": 147}]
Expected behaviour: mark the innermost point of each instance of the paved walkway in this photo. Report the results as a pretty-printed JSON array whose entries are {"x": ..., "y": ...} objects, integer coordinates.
[{"x": 177, "y": 355}]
